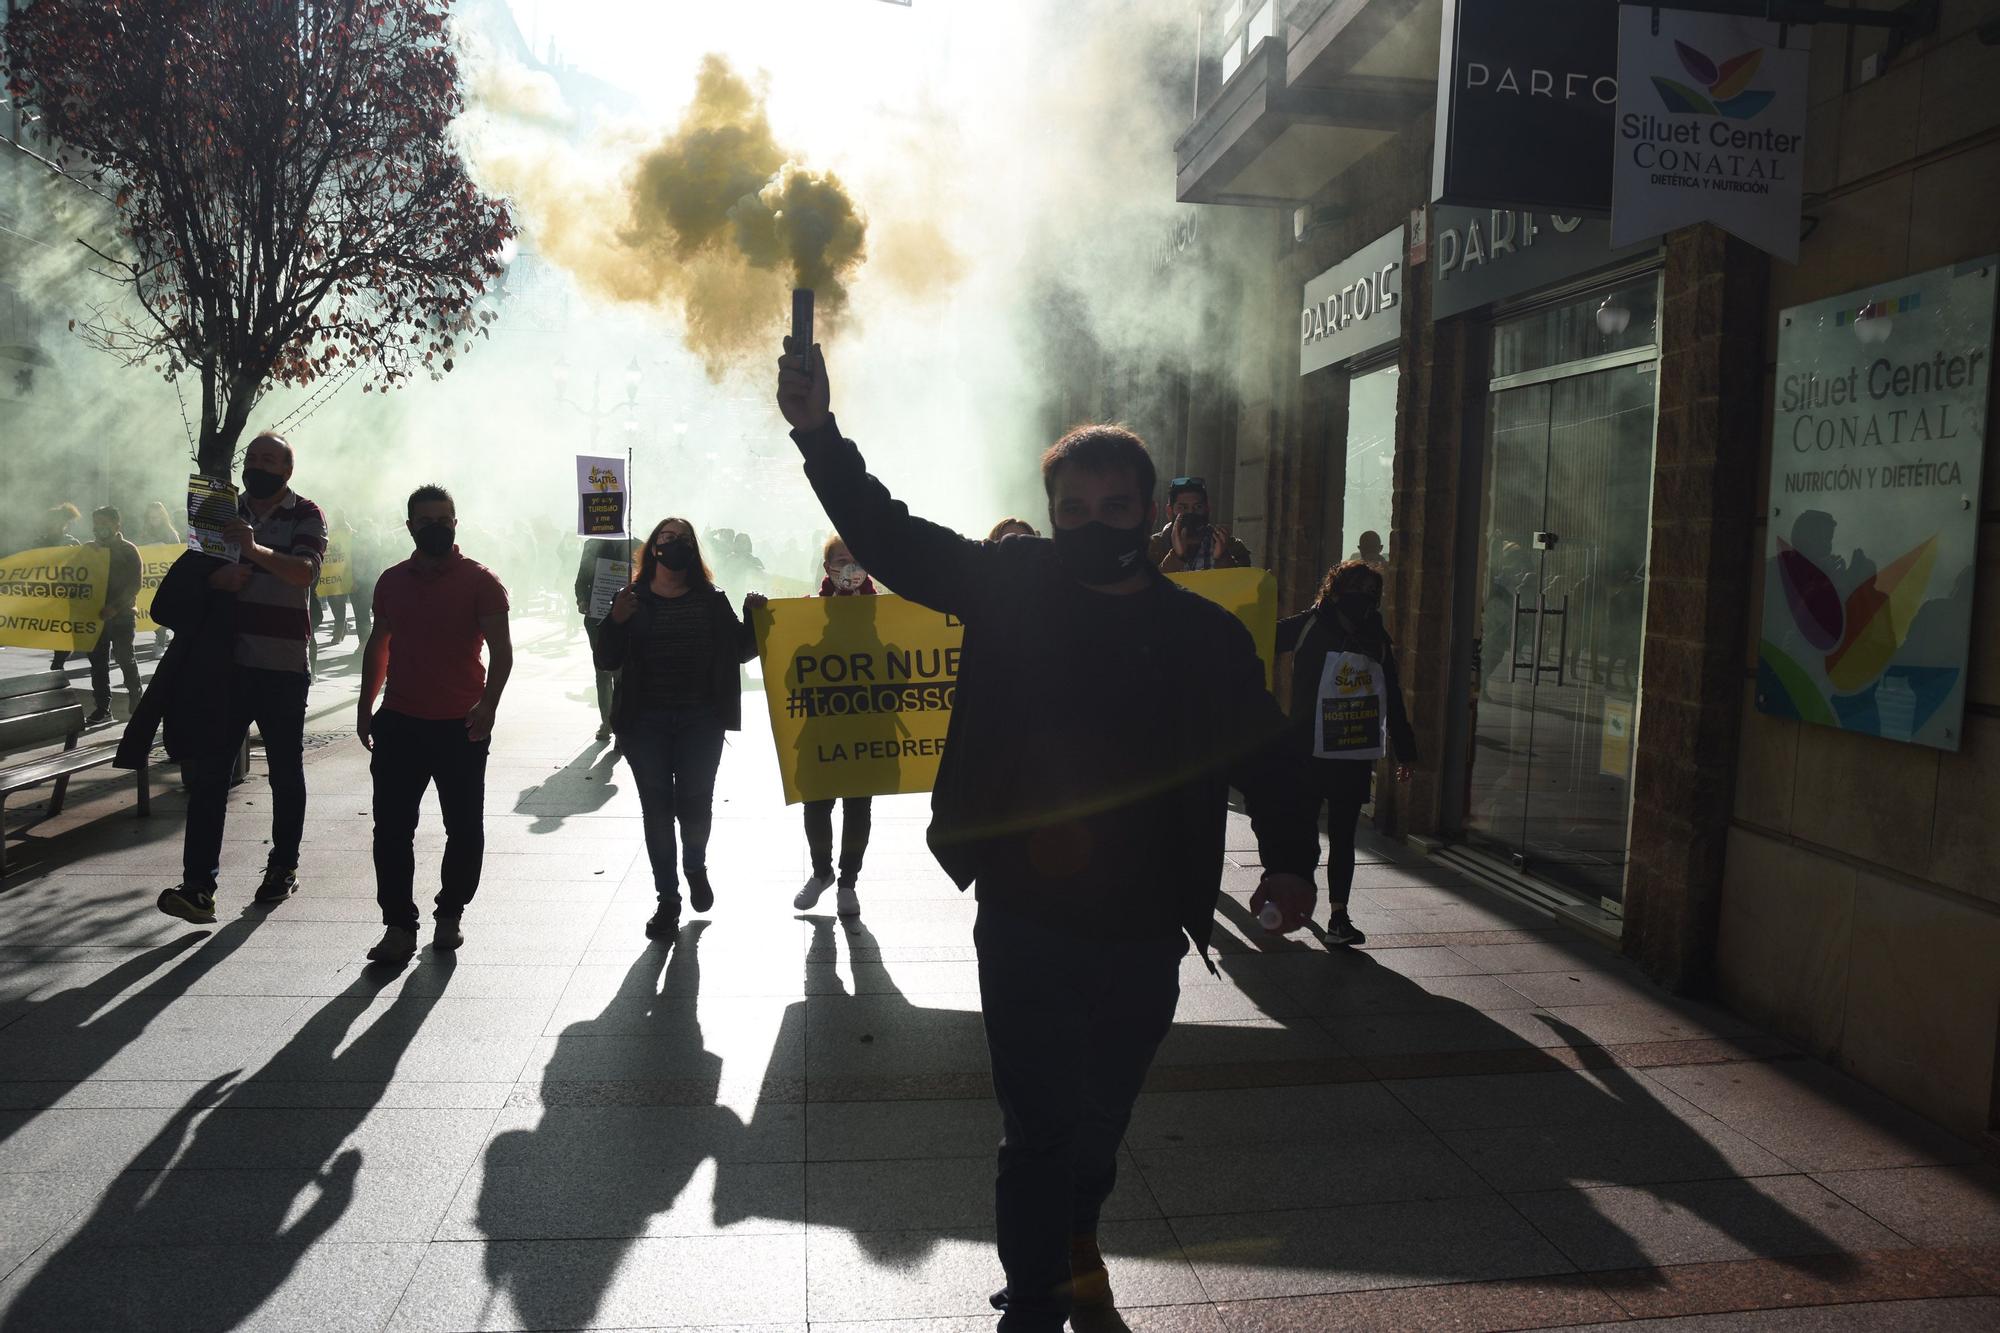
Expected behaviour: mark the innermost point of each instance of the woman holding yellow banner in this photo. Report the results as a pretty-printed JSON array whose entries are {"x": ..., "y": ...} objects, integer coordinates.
[
  {"x": 844, "y": 578},
  {"x": 676, "y": 644}
]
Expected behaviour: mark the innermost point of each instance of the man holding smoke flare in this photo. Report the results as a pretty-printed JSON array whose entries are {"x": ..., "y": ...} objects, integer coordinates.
[{"x": 1102, "y": 714}]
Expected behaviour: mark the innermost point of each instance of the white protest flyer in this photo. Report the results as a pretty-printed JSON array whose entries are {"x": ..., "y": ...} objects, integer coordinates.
[
  {"x": 212, "y": 506},
  {"x": 611, "y": 575}
]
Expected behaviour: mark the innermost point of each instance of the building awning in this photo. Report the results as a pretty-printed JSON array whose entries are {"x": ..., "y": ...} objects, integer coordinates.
[{"x": 1312, "y": 101}]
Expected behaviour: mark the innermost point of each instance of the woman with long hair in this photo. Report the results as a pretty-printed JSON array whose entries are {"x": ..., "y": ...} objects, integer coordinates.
[
  {"x": 1347, "y": 708},
  {"x": 676, "y": 644}
]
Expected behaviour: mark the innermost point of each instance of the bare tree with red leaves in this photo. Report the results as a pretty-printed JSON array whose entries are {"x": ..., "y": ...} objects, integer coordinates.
[{"x": 290, "y": 203}]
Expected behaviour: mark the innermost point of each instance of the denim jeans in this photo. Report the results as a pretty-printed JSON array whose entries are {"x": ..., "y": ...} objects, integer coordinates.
[
  {"x": 410, "y": 754},
  {"x": 674, "y": 755},
  {"x": 1072, "y": 1025},
  {"x": 276, "y": 702}
]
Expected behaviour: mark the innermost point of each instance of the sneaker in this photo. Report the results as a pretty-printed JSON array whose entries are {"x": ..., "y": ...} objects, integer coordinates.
[
  {"x": 846, "y": 900},
  {"x": 805, "y": 899},
  {"x": 701, "y": 894},
  {"x": 99, "y": 717},
  {"x": 196, "y": 905},
  {"x": 278, "y": 885},
  {"x": 665, "y": 925},
  {"x": 397, "y": 945},
  {"x": 445, "y": 934},
  {"x": 604, "y": 732},
  {"x": 1340, "y": 929}
]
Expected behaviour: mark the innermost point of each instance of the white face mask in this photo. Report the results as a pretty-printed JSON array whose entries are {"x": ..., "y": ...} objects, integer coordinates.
[{"x": 849, "y": 576}]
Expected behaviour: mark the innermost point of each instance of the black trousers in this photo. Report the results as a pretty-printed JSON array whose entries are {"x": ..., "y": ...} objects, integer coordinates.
[
  {"x": 116, "y": 639},
  {"x": 276, "y": 702},
  {"x": 411, "y": 753},
  {"x": 1072, "y": 1025},
  {"x": 856, "y": 820},
  {"x": 674, "y": 754},
  {"x": 1344, "y": 786}
]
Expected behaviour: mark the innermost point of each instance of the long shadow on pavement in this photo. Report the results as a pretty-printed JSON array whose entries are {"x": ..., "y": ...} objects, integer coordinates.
[
  {"x": 96, "y": 1020},
  {"x": 601, "y": 1173},
  {"x": 228, "y": 1173}
]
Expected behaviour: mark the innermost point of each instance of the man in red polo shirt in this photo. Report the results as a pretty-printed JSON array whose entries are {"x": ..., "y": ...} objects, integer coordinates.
[{"x": 432, "y": 613}]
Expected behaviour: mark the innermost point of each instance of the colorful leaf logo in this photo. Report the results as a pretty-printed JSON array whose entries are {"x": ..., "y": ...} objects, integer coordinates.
[
  {"x": 1698, "y": 66},
  {"x": 1727, "y": 85}
]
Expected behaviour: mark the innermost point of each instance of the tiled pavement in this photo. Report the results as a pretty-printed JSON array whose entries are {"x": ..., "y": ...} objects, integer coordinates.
[{"x": 1478, "y": 1122}]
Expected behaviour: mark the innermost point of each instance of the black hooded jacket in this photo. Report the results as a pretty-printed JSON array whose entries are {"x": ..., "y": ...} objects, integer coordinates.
[
  {"x": 189, "y": 692},
  {"x": 1093, "y": 737}
]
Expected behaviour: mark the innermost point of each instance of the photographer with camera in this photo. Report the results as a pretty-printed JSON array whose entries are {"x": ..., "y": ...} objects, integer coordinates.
[{"x": 1189, "y": 541}]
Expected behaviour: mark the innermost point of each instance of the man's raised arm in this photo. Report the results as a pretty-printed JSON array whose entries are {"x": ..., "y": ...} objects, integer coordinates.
[{"x": 920, "y": 560}]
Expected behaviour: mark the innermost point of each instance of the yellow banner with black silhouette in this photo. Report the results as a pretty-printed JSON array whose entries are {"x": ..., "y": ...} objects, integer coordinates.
[
  {"x": 860, "y": 689},
  {"x": 53, "y": 597}
]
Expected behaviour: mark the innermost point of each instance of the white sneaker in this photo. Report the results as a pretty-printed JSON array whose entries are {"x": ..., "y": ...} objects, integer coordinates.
[
  {"x": 805, "y": 898},
  {"x": 397, "y": 946},
  {"x": 847, "y": 902}
]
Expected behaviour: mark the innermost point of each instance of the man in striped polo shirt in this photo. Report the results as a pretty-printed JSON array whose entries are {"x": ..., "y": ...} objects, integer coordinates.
[{"x": 282, "y": 538}]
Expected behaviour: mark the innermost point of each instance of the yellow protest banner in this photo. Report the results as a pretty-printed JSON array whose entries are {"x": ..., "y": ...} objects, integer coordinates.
[
  {"x": 50, "y": 598},
  {"x": 155, "y": 559},
  {"x": 53, "y": 597},
  {"x": 336, "y": 567},
  {"x": 1251, "y": 595},
  {"x": 860, "y": 689}
]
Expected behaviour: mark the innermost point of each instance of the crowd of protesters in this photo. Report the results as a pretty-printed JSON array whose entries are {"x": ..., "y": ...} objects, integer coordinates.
[{"x": 1088, "y": 825}]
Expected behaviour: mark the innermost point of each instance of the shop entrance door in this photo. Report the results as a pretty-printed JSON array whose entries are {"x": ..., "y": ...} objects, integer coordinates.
[{"x": 1567, "y": 508}]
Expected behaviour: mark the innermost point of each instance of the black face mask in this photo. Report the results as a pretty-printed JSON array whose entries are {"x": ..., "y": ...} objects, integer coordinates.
[
  {"x": 435, "y": 539},
  {"x": 1357, "y": 606},
  {"x": 1097, "y": 553},
  {"x": 262, "y": 485},
  {"x": 677, "y": 556}
]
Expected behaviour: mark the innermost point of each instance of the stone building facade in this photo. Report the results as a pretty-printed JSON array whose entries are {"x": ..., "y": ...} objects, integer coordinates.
[{"x": 1841, "y": 888}]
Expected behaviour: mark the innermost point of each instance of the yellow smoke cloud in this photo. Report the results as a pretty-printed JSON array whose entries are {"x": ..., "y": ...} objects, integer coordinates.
[{"x": 716, "y": 219}]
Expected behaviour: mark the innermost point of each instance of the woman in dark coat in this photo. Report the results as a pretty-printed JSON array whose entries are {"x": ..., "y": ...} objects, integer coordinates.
[
  {"x": 676, "y": 644},
  {"x": 1347, "y": 710}
]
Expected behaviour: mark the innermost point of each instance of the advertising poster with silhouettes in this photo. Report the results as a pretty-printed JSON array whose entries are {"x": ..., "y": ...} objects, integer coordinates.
[
  {"x": 600, "y": 485},
  {"x": 1878, "y": 432},
  {"x": 1711, "y": 127},
  {"x": 860, "y": 689}
]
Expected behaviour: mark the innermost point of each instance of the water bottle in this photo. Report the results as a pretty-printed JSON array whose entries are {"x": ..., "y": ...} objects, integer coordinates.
[{"x": 1271, "y": 917}]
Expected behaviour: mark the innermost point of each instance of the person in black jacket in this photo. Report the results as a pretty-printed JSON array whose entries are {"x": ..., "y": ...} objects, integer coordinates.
[
  {"x": 1101, "y": 715},
  {"x": 180, "y": 704},
  {"x": 1346, "y": 700},
  {"x": 676, "y": 643}
]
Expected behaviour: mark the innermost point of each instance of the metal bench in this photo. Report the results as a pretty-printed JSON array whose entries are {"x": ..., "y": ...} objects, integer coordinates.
[{"x": 37, "y": 711}]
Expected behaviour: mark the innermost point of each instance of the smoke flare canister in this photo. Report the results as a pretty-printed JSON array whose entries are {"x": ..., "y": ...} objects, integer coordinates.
[{"x": 802, "y": 320}]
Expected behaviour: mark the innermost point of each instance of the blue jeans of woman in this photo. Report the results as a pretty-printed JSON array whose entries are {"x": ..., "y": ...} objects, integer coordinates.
[{"x": 674, "y": 754}]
